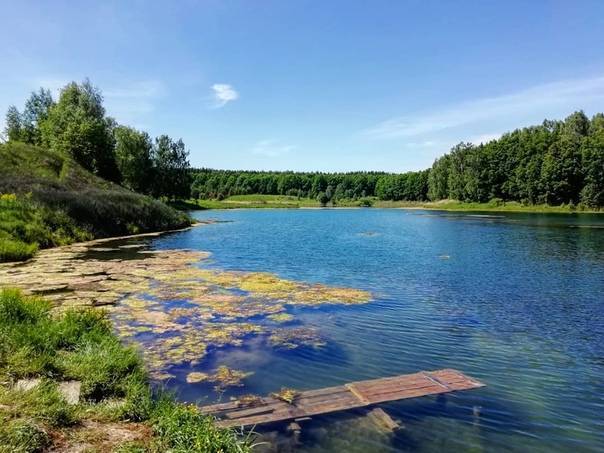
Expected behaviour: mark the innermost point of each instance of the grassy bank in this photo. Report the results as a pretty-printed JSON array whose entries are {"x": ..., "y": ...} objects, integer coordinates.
[
  {"x": 282, "y": 201},
  {"x": 116, "y": 409},
  {"x": 494, "y": 206},
  {"x": 46, "y": 199},
  {"x": 267, "y": 201}
]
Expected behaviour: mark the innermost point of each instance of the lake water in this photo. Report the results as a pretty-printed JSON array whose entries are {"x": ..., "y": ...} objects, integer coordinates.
[{"x": 514, "y": 300}]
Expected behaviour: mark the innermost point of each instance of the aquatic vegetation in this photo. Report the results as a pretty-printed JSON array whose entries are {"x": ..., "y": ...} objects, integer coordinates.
[
  {"x": 249, "y": 400},
  {"x": 281, "y": 317},
  {"x": 196, "y": 376},
  {"x": 296, "y": 337},
  {"x": 286, "y": 394},
  {"x": 223, "y": 377},
  {"x": 176, "y": 311},
  {"x": 227, "y": 377}
]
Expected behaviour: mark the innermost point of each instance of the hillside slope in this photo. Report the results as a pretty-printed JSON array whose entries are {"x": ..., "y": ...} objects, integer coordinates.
[{"x": 46, "y": 199}]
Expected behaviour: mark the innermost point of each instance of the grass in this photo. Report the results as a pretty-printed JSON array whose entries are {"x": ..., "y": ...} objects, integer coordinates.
[
  {"x": 269, "y": 202},
  {"x": 46, "y": 199},
  {"x": 80, "y": 345},
  {"x": 282, "y": 201},
  {"x": 492, "y": 206}
]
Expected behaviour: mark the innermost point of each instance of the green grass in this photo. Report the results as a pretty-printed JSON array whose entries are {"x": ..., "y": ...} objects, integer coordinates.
[
  {"x": 269, "y": 202},
  {"x": 281, "y": 201},
  {"x": 80, "y": 345},
  {"x": 46, "y": 199},
  {"x": 492, "y": 206}
]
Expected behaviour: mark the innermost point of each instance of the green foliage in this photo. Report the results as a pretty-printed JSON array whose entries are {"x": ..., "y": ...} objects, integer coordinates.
[
  {"x": 559, "y": 162},
  {"x": 49, "y": 200},
  {"x": 20, "y": 436},
  {"x": 80, "y": 344},
  {"x": 323, "y": 198},
  {"x": 15, "y": 250},
  {"x": 171, "y": 168},
  {"x": 133, "y": 153},
  {"x": 14, "y": 125},
  {"x": 25, "y": 127},
  {"x": 406, "y": 186},
  {"x": 220, "y": 184},
  {"x": 77, "y": 127},
  {"x": 182, "y": 428}
]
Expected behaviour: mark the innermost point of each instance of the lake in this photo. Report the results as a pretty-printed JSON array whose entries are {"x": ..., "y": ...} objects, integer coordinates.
[{"x": 514, "y": 300}]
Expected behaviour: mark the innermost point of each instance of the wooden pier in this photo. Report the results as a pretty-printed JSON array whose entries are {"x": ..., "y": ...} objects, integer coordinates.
[{"x": 340, "y": 398}]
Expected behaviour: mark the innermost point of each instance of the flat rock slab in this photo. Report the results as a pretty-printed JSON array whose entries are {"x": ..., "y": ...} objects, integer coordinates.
[
  {"x": 69, "y": 390},
  {"x": 24, "y": 385}
]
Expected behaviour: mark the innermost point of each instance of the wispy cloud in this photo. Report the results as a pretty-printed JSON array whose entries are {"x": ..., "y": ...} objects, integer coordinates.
[
  {"x": 571, "y": 93},
  {"x": 272, "y": 148},
  {"x": 223, "y": 93}
]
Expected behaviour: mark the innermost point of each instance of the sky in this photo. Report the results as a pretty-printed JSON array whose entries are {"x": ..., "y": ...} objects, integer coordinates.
[{"x": 313, "y": 85}]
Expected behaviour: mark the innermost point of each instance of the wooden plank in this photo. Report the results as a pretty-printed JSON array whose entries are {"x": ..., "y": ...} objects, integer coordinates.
[
  {"x": 383, "y": 420},
  {"x": 344, "y": 397}
]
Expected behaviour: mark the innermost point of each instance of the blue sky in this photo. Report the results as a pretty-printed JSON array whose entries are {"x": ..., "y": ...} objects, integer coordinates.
[{"x": 314, "y": 85}]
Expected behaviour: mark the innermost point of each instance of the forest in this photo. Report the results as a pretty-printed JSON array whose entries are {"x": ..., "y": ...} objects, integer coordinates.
[
  {"x": 555, "y": 163},
  {"x": 76, "y": 125}
]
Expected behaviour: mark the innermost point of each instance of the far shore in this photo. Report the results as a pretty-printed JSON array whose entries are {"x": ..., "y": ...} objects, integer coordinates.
[{"x": 291, "y": 202}]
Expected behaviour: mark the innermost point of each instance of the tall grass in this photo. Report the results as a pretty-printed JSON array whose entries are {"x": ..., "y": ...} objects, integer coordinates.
[
  {"x": 80, "y": 345},
  {"x": 47, "y": 200}
]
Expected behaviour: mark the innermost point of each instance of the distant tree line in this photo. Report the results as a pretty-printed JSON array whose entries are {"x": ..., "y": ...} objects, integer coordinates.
[
  {"x": 558, "y": 162},
  {"x": 77, "y": 125},
  {"x": 208, "y": 183}
]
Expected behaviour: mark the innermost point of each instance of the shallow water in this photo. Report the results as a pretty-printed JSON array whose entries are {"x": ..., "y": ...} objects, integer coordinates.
[{"x": 514, "y": 300}]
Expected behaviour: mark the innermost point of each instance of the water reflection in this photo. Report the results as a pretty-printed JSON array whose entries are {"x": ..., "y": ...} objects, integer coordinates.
[{"x": 517, "y": 303}]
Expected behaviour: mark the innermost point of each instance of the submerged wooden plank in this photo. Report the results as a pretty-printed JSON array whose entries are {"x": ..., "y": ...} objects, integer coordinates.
[
  {"x": 383, "y": 420},
  {"x": 340, "y": 398}
]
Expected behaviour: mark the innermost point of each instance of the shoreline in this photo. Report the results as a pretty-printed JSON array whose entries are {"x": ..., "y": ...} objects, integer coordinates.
[{"x": 503, "y": 209}]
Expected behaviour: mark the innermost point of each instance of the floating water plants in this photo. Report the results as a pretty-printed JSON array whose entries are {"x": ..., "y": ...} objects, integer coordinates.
[
  {"x": 174, "y": 309},
  {"x": 286, "y": 394}
]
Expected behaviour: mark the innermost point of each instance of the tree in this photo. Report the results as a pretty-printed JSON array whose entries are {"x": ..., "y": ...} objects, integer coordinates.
[
  {"x": 25, "y": 127},
  {"x": 592, "y": 153},
  {"x": 133, "y": 155},
  {"x": 14, "y": 126},
  {"x": 77, "y": 126},
  {"x": 171, "y": 165},
  {"x": 323, "y": 199},
  {"x": 36, "y": 111}
]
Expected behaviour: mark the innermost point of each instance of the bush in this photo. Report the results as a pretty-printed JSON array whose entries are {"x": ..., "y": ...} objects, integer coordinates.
[{"x": 11, "y": 250}]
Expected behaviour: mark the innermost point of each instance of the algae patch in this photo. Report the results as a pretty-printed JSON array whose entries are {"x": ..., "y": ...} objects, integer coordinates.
[{"x": 173, "y": 310}]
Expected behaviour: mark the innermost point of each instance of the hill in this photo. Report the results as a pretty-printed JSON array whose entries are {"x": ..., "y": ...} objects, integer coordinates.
[{"x": 47, "y": 199}]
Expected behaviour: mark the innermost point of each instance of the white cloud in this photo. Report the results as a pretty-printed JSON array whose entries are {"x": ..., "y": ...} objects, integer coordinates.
[
  {"x": 271, "y": 148},
  {"x": 223, "y": 94},
  {"x": 570, "y": 94}
]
